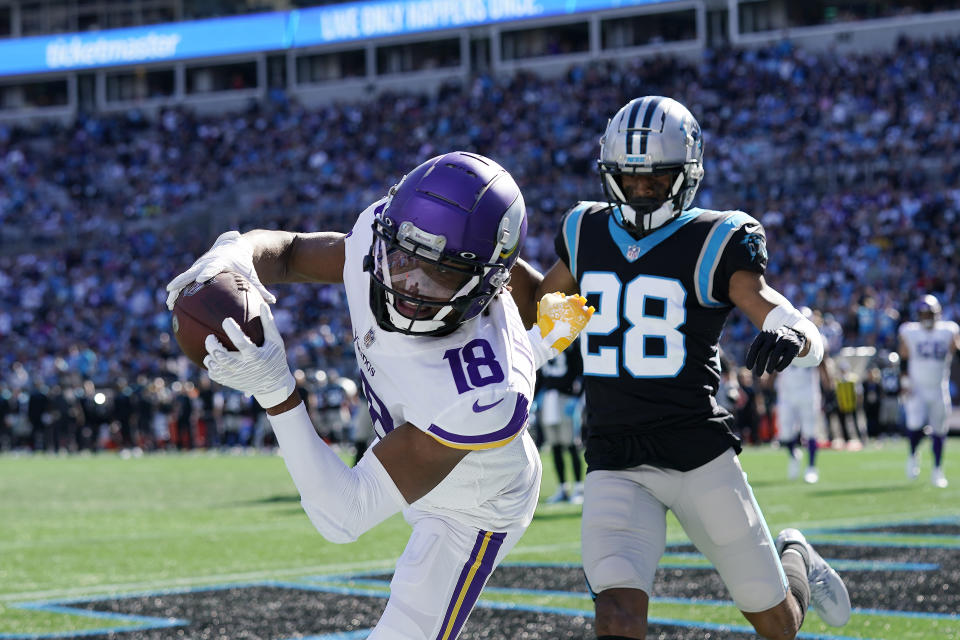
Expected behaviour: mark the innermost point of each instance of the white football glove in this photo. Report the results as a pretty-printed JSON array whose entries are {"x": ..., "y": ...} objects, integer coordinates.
[
  {"x": 560, "y": 319},
  {"x": 262, "y": 372},
  {"x": 231, "y": 252}
]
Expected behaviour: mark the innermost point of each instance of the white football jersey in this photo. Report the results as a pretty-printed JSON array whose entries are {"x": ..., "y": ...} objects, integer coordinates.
[
  {"x": 798, "y": 386},
  {"x": 930, "y": 352},
  {"x": 471, "y": 389}
]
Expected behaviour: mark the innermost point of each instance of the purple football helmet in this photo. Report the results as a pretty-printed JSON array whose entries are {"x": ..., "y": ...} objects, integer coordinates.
[{"x": 444, "y": 244}]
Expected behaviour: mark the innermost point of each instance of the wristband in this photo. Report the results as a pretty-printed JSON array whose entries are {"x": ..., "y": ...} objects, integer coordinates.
[
  {"x": 542, "y": 353},
  {"x": 785, "y": 315}
]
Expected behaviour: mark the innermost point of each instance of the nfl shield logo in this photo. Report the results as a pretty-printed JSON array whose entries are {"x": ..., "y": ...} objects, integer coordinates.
[
  {"x": 368, "y": 338},
  {"x": 633, "y": 252}
]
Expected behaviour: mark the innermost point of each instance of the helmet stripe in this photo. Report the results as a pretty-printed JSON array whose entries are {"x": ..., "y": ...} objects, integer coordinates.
[
  {"x": 647, "y": 119},
  {"x": 631, "y": 121}
]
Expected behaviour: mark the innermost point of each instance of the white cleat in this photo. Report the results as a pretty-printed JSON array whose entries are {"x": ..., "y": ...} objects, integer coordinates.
[
  {"x": 828, "y": 594},
  {"x": 937, "y": 478},
  {"x": 558, "y": 497},
  {"x": 576, "y": 496},
  {"x": 913, "y": 467},
  {"x": 811, "y": 475},
  {"x": 793, "y": 468}
]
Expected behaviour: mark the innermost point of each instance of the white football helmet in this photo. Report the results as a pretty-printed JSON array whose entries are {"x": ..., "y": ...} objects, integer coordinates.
[
  {"x": 928, "y": 311},
  {"x": 651, "y": 135}
]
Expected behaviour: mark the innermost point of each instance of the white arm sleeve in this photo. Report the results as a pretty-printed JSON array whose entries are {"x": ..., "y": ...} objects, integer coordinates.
[
  {"x": 341, "y": 502},
  {"x": 785, "y": 315}
]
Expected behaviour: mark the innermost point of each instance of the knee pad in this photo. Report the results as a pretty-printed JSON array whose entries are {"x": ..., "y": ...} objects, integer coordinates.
[{"x": 613, "y": 572}]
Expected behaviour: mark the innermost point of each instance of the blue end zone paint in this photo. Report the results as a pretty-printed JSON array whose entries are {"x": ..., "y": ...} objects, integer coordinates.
[
  {"x": 868, "y": 539},
  {"x": 127, "y": 622},
  {"x": 879, "y": 565},
  {"x": 848, "y": 565},
  {"x": 364, "y": 584},
  {"x": 894, "y": 523},
  {"x": 901, "y": 540},
  {"x": 487, "y": 604}
]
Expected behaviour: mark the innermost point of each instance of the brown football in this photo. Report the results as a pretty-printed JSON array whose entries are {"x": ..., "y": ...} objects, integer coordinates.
[{"x": 202, "y": 307}]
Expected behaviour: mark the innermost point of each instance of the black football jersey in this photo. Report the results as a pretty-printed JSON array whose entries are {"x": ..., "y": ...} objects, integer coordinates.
[
  {"x": 890, "y": 381},
  {"x": 331, "y": 396},
  {"x": 564, "y": 372},
  {"x": 651, "y": 351}
]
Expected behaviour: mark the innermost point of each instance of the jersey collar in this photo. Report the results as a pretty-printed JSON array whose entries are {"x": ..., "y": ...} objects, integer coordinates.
[{"x": 632, "y": 248}]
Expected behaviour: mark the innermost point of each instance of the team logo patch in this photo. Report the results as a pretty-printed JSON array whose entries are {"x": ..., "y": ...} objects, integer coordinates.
[
  {"x": 756, "y": 244},
  {"x": 478, "y": 408}
]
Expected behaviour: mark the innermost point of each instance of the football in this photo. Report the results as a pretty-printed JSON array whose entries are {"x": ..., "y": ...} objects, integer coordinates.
[{"x": 202, "y": 307}]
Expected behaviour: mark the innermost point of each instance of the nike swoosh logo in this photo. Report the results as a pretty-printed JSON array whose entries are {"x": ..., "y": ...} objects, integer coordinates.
[{"x": 477, "y": 407}]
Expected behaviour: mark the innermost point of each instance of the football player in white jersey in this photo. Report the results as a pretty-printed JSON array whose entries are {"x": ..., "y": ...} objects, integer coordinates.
[
  {"x": 928, "y": 347},
  {"x": 798, "y": 411},
  {"x": 447, "y": 369}
]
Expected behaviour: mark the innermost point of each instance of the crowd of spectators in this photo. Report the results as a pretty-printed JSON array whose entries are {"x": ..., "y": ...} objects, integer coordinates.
[{"x": 851, "y": 162}]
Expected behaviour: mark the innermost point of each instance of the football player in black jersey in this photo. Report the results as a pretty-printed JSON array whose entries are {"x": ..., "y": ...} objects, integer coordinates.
[{"x": 664, "y": 276}]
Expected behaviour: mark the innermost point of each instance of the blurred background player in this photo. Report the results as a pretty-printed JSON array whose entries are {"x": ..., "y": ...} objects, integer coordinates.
[
  {"x": 561, "y": 385},
  {"x": 333, "y": 407},
  {"x": 798, "y": 411},
  {"x": 361, "y": 425},
  {"x": 872, "y": 394},
  {"x": 847, "y": 385},
  {"x": 927, "y": 347},
  {"x": 891, "y": 409},
  {"x": 839, "y": 386},
  {"x": 729, "y": 394},
  {"x": 751, "y": 407}
]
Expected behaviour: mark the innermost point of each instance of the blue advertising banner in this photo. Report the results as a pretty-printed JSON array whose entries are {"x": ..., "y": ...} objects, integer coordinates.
[
  {"x": 273, "y": 31},
  {"x": 362, "y": 20},
  {"x": 168, "y": 41}
]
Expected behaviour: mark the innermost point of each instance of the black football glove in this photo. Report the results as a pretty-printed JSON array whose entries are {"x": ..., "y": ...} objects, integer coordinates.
[{"x": 774, "y": 350}]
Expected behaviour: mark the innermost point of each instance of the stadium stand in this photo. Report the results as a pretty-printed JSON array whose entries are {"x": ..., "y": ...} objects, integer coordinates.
[{"x": 850, "y": 160}]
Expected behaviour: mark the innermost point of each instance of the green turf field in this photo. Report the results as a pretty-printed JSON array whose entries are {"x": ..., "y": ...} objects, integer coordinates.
[{"x": 80, "y": 527}]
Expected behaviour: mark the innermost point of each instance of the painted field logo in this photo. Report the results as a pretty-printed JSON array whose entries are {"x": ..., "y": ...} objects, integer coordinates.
[{"x": 902, "y": 579}]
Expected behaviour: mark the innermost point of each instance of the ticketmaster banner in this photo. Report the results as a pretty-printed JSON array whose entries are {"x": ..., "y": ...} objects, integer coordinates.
[
  {"x": 136, "y": 45},
  {"x": 273, "y": 31}
]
